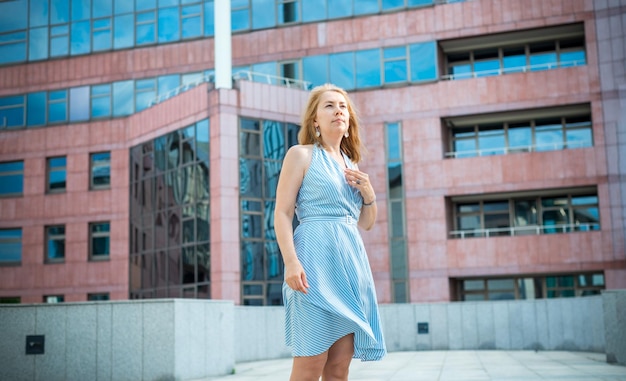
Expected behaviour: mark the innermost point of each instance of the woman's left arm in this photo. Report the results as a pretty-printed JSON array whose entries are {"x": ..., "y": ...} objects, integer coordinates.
[{"x": 369, "y": 211}]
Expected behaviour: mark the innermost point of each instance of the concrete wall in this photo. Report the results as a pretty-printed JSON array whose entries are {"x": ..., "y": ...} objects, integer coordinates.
[
  {"x": 170, "y": 339},
  {"x": 614, "y": 303},
  {"x": 176, "y": 339}
]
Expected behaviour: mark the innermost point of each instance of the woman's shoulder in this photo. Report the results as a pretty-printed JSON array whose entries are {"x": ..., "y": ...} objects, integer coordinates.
[{"x": 301, "y": 150}]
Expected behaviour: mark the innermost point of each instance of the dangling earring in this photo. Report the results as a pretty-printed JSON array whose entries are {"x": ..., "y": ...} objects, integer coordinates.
[
  {"x": 346, "y": 134},
  {"x": 317, "y": 133}
]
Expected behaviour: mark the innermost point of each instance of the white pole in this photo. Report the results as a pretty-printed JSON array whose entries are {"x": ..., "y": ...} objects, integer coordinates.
[{"x": 223, "y": 52}]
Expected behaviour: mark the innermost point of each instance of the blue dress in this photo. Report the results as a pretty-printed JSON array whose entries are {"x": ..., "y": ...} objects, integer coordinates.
[{"x": 341, "y": 298}]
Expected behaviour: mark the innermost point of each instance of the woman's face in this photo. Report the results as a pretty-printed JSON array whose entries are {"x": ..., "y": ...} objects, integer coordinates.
[{"x": 332, "y": 116}]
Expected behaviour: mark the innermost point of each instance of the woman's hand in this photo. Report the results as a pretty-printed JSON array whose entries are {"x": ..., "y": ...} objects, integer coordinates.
[
  {"x": 295, "y": 277},
  {"x": 361, "y": 181}
]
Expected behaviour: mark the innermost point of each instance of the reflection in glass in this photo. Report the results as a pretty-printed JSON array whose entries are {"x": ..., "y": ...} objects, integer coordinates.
[
  {"x": 342, "y": 69},
  {"x": 315, "y": 69},
  {"x": 250, "y": 177},
  {"x": 252, "y": 260},
  {"x": 168, "y": 25},
  {"x": 423, "y": 58},
  {"x": 313, "y": 10},
  {"x": 123, "y": 30}
]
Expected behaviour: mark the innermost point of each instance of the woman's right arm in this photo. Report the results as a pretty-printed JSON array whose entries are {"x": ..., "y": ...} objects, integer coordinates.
[{"x": 292, "y": 173}]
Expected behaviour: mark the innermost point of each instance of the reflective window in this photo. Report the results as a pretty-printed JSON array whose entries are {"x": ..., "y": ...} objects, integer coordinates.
[
  {"x": 37, "y": 44},
  {"x": 143, "y": 5},
  {"x": 170, "y": 215},
  {"x": 100, "y": 297},
  {"x": 100, "y": 169},
  {"x": 191, "y": 21},
  {"x": 13, "y": 15},
  {"x": 313, "y": 10},
  {"x": 55, "y": 243},
  {"x": 12, "y": 112},
  {"x": 364, "y": 7},
  {"x": 101, "y": 101},
  {"x": 81, "y": 10},
  {"x": 240, "y": 15},
  {"x": 146, "y": 28},
  {"x": 59, "y": 12},
  {"x": 391, "y": 4},
  {"x": 57, "y": 106},
  {"x": 123, "y": 6},
  {"x": 99, "y": 240},
  {"x": 36, "y": 115},
  {"x": 395, "y": 64},
  {"x": 102, "y": 37},
  {"x": 11, "y": 178},
  {"x": 79, "y": 104},
  {"x": 341, "y": 67},
  {"x": 12, "y": 47},
  {"x": 123, "y": 93},
  {"x": 423, "y": 59},
  {"x": 209, "y": 19},
  {"x": 59, "y": 40},
  {"x": 102, "y": 9},
  {"x": 53, "y": 299},
  {"x": 288, "y": 11},
  {"x": 10, "y": 246},
  {"x": 339, "y": 8},
  {"x": 56, "y": 174},
  {"x": 124, "y": 31},
  {"x": 145, "y": 92},
  {"x": 39, "y": 13},
  {"x": 169, "y": 28},
  {"x": 263, "y": 14},
  {"x": 315, "y": 69}
]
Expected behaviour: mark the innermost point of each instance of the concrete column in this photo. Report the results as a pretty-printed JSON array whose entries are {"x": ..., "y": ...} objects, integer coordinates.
[{"x": 223, "y": 50}]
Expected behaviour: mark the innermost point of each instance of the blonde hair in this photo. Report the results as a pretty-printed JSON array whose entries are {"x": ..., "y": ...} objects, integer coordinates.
[{"x": 351, "y": 145}]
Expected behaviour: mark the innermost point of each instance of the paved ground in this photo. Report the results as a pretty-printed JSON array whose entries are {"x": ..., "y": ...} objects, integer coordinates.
[{"x": 457, "y": 366}]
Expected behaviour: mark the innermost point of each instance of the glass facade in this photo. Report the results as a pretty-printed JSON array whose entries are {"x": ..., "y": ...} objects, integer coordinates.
[
  {"x": 262, "y": 147},
  {"x": 35, "y": 30},
  {"x": 170, "y": 215},
  {"x": 529, "y": 287},
  {"x": 541, "y": 214},
  {"x": 397, "y": 225},
  {"x": 11, "y": 178},
  {"x": 10, "y": 246}
]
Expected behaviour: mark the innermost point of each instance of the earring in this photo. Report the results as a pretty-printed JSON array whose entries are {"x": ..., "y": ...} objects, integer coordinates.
[
  {"x": 346, "y": 134},
  {"x": 317, "y": 133}
]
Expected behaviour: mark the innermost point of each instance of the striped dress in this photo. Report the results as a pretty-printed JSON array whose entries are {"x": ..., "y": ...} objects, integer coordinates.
[{"x": 341, "y": 298}]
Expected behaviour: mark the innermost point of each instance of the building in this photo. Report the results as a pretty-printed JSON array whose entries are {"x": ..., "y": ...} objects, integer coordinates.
[{"x": 496, "y": 137}]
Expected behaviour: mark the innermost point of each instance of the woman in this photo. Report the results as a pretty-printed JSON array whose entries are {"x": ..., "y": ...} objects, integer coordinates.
[{"x": 331, "y": 313}]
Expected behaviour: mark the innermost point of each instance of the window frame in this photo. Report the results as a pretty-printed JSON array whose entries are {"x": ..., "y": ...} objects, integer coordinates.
[
  {"x": 11, "y": 241},
  {"x": 92, "y": 167},
  {"x": 49, "y": 236},
  {"x": 8, "y": 173},
  {"x": 50, "y": 170},
  {"x": 93, "y": 235}
]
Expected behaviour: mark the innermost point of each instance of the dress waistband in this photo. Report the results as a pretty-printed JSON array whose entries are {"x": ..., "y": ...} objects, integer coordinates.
[{"x": 348, "y": 219}]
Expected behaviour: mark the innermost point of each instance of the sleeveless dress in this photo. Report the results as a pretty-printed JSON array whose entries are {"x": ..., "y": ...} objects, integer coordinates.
[{"x": 341, "y": 298}]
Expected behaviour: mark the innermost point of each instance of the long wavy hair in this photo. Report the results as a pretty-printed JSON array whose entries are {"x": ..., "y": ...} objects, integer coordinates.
[{"x": 351, "y": 145}]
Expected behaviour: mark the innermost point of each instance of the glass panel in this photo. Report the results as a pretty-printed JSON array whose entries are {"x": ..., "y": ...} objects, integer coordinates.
[
  {"x": 393, "y": 142},
  {"x": 500, "y": 284},
  {"x": 81, "y": 10},
  {"x": 468, "y": 222},
  {"x": 167, "y": 83},
  {"x": 587, "y": 218},
  {"x": 313, "y": 10},
  {"x": 79, "y": 104},
  {"x": 101, "y": 101},
  {"x": 102, "y": 8},
  {"x": 123, "y": 31},
  {"x": 102, "y": 35},
  {"x": 390, "y": 4},
  {"x": 399, "y": 292},
  {"x": 520, "y": 137},
  {"x": 57, "y": 106},
  {"x": 59, "y": 11},
  {"x": 554, "y": 219},
  {"x": 209, "y": 19},
  {"x": 578, "y": 138},
  {"x": 240, "y": 19},
  {"x": 491, "y": 140},
  {"x": 250, "y": 144},
  {"x": 368, "y": 68},
  {"x": 465, "y": 148},
  {"x": 398, "y": 259},
  {"x": 543, "y": 56},
  {"x": 191, "y": 22},
  {"x": 123, "y": 98},
  {"x": 486, "y": 62},
  {"x": 273, "y": 140},
  {"x": 169, "y": 30},
  {"x": 37, "y": 44},
  {"x": 274, "y": 294},
  {"x": 525, "y": 216},
  {"x": 423, "y": 58},
  {"x": 272, "y": 171},
  {"x": 363, "y": 7},
  {"x": 39, "y": 13},
  {"x": 10, "y": 245},
  {"x": 342, "y": 69},
  {"x": 572, "y": 58},
  {"x": 394, "y": 173},
  {"x": 36, "y": 109},
  {"x": 251, "y": 226},
  {"x": 252, "y": 261},
  {"x": 527, "y": 289},
  {"x": 420, "y": 2},
  {"x": 315, "y": 69},
  {"x": 549, "y": 135},
  {"x": 274, "y": 261},
  {"x": 496, "y": 206},
  {"x": 57, "y": 173},
  {"x": 469, "y": 285},
  {"x": 338, "y": 8},
  {"x": 397, "y": 219},
  {"x": 252, "y": 206},
  {"x": 499, "y": 222},
  {"x": 250, "y": 177},
  {"x": 142, "y": 5},
  {"x": 146, "y": 28},
  {"x": 395, "y": 64},
  {"x": 514, "y": 60},
  {"x": 263, "y": 14},
  {"x": 473, "y": 297}
]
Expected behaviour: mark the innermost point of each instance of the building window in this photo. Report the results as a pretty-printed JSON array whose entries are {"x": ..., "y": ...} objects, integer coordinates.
[
  {"x": 10, "y": 246},
  {"x": 529, "y": 288},
  {"x": 568, "y": 127},
  {"x": 397, "y": 225},
  {"x": 145, "y": 32},
  {"x": 170, "y": 215},
  {"x": 56, "y": 174},
  {"x": 10, "y": 300},
  {"x": 57, "y": 106},
  {"x": 55, "y": 244},
  {"x": 12, "y": 113},
  {"x": 99, "y": 240},
  {"x": 262, "y": 146},
  {"x": 288, "y": 11},
  {"x": 536, "y": 50},
  {"x": 11, "y": 178},
  {"x": 240, "y": 15},
  {"x": 565, "y": 212},
  {"x": 53, "y": 299},
  {"x": 98, "y": 297},
  {"x": 100, "y": 170},
  {"x": 191, "y": 21},
  {"x": 395, "y": 64}
]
